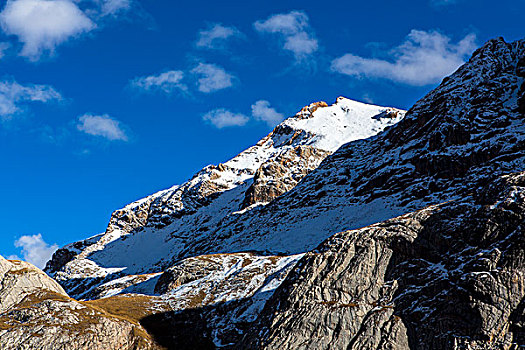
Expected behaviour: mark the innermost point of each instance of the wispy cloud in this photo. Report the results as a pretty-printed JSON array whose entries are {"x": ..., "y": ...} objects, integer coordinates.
[
  {"x": 53, "y": 135},
  {"x": 113, "y": 7},
  {"x": 35, "y": 250},
  {"x": 294, "y": 30},
  {"x": 103, "y": 126},
  {"x": 443, "y": 2},
  {"x": 42, "y": 25},
  {"x": 212, "y": 78},
  {"x": 424, "y": 58},
  {"x": 209, "y": 78},
  {"x": 222, "y": 118},
  {"x": 14, "y": 96},
  {"x": 216, "y": 36},
  {"x": 3, "y": 48},
  {"x": 167, "y": 82},
  {"x": 262, "y": 111}
]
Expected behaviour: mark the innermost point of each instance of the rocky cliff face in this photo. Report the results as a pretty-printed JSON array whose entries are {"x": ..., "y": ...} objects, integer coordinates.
[
  {"x": 220, "y": 295},
  {"x": 449, "y": 276},
  {"x": 278, "y": 176}
]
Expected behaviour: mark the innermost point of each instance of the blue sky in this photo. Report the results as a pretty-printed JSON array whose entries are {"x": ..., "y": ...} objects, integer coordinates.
[{"x": 103, "y": 102}]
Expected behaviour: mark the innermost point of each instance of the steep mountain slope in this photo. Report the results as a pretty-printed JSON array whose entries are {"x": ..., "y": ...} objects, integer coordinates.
[
  {"x": 467, "y": 129},
  {"x": 450, "y": 276},
  {"x": 152, "y": 234}
]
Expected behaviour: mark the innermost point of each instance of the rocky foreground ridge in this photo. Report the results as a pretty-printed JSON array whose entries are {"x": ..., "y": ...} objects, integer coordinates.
[
  {"x": 209, "y": 300},
  {"x": 409, "y": 239},
  {"x": 36, "y": 313}
]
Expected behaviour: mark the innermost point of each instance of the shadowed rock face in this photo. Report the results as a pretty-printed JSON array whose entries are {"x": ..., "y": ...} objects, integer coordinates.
[
  {"x": 450, "y": 276},
  {"x": 221, "y": 294}
]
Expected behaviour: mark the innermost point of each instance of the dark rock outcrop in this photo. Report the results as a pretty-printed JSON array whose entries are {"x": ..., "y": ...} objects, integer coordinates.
[{"x": 280, "y": 175}]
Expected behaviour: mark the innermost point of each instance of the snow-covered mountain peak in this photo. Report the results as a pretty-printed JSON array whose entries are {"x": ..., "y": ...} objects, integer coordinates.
[
  {"x": 188, "y": 211},
  {"x": 344, "y": 121}
]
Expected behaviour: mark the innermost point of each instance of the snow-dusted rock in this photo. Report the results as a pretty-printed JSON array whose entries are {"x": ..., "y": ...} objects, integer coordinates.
[
  {"x": 448, "y": 276},
  {"x": 220, "y": 295},
  {"x": 466, "y": 131}
]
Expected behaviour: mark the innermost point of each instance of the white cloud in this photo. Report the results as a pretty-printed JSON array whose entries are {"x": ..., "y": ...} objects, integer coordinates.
[
  {"x": 216, "y": 36},
  {"x": 301, "y": 44},
  {"x": 261, "y": 110},
  {"x": 222, "y": 118},
  {"x": 103, "y": 126},
  {"x": 12, "y": 95},
  {"x": 210, "y": 78},
  {"x": 424, "y": 58},
  {"x": 295, "y": 31},
  {"x": 166, "y": 82},
  {"x": 42, "y": 25},
  {"x": 35, "y": 250},
  {"x": 213, "y": 78}
]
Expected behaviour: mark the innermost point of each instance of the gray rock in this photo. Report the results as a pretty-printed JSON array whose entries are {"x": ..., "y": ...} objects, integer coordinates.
[
  {"x": 278, "y": 176},
  {"x": 220, "y": 295},
  {"x": 450, "y": 276}
]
